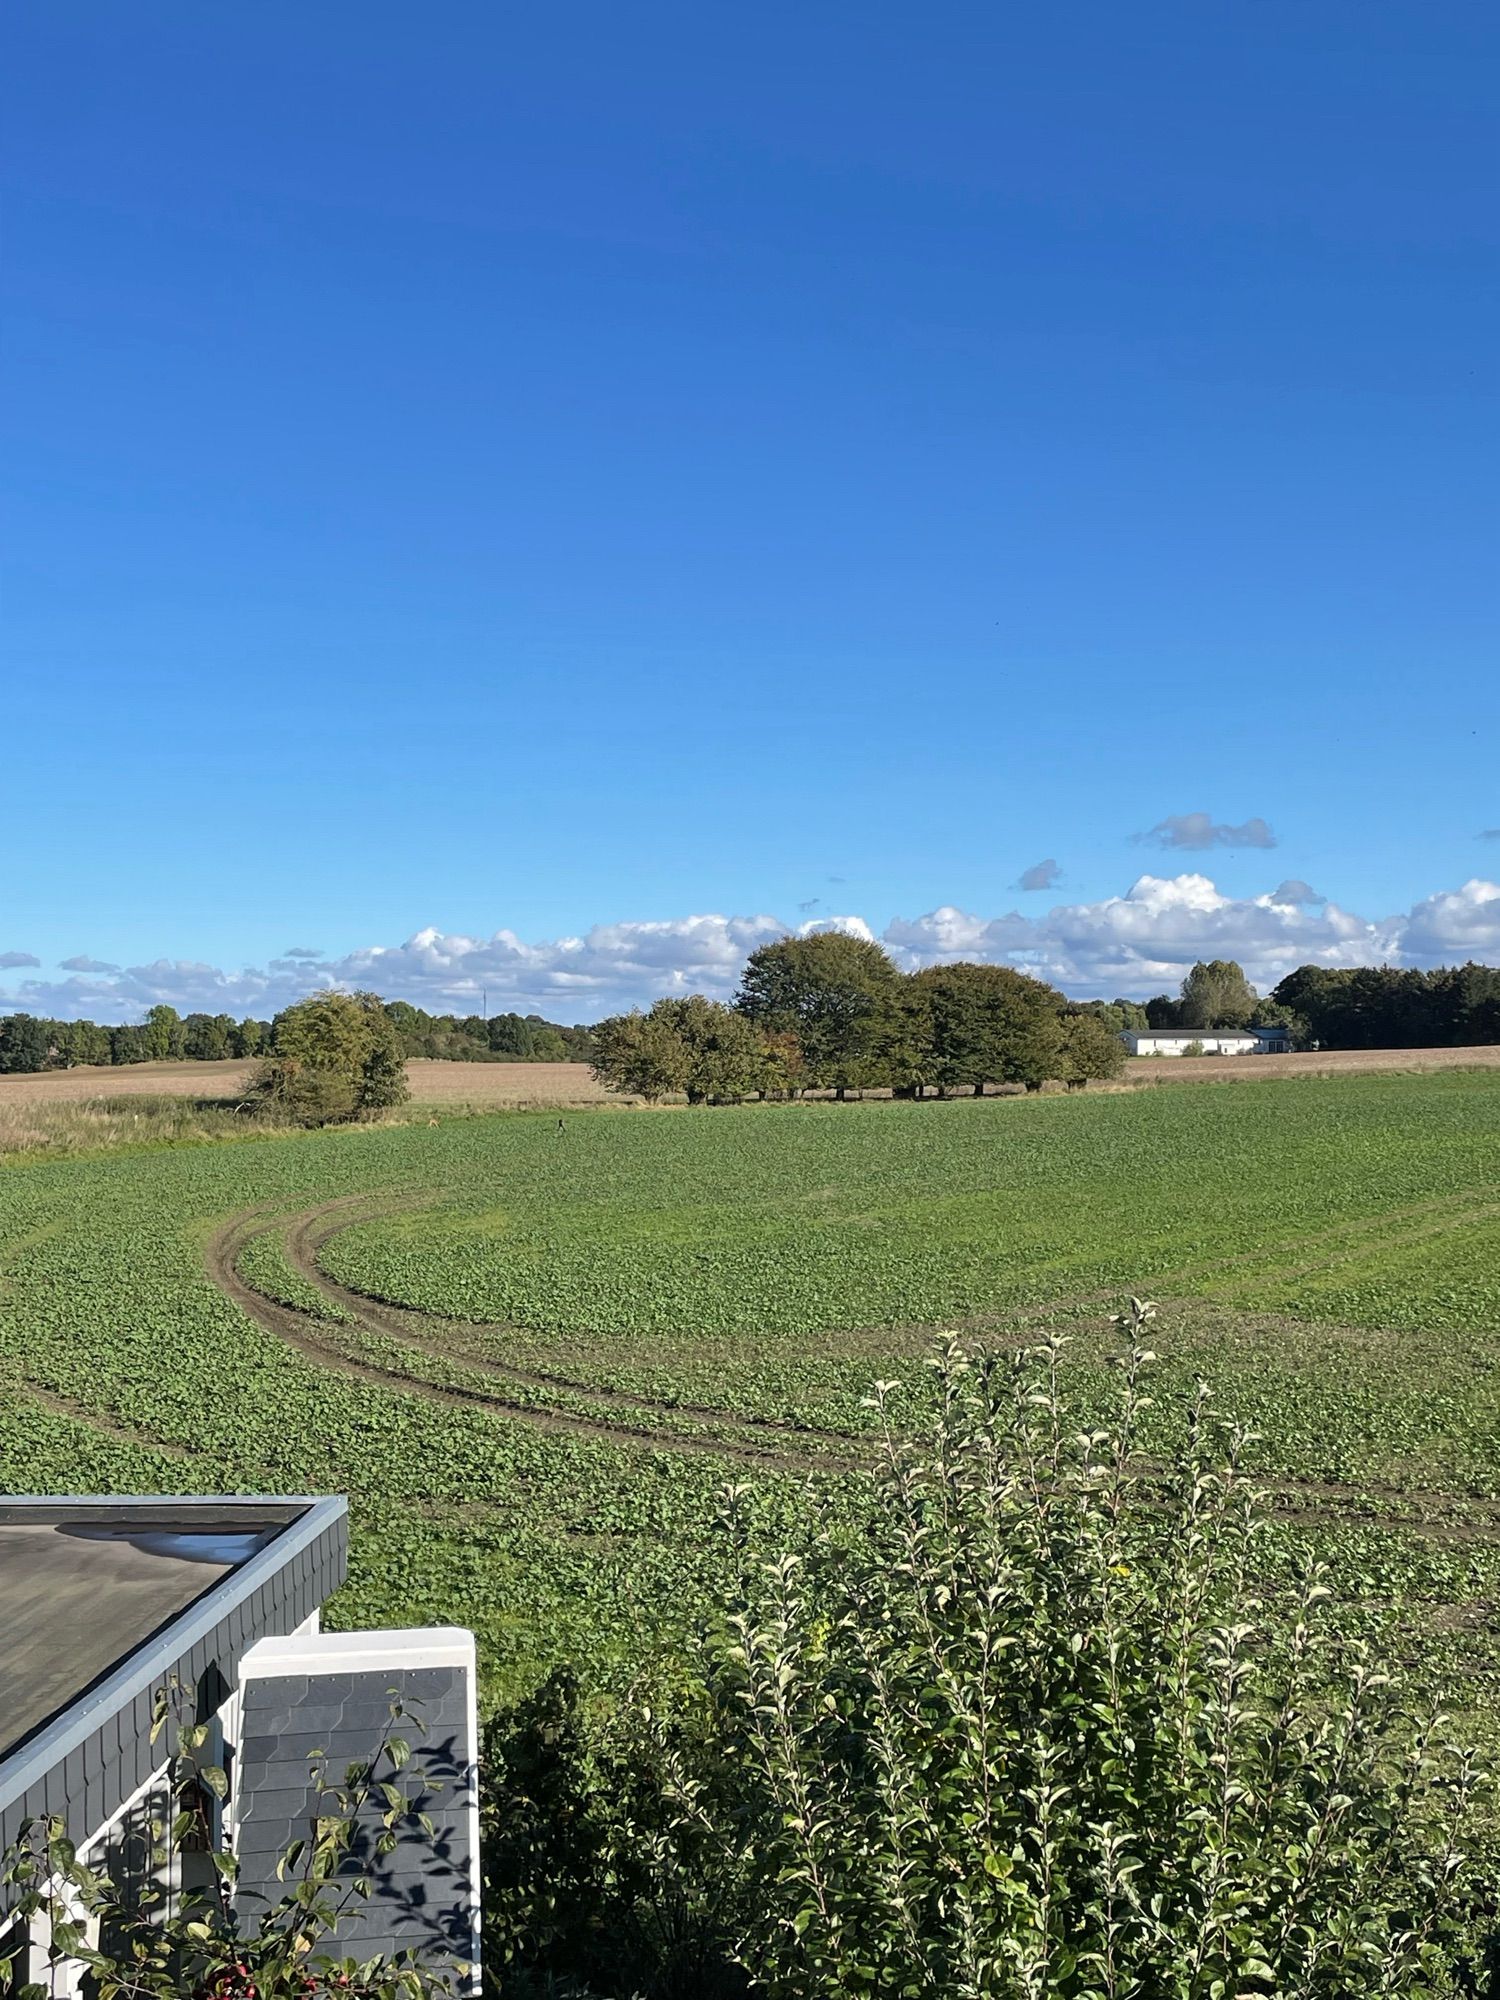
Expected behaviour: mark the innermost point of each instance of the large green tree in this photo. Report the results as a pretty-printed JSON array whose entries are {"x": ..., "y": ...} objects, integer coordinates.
[
  {"x": 249, "y": 1037},
  {"x": 128, "y": 1044},
  {"x": 1216, "y": 994},
  {"x": 698, "y": 1046},
  {"x": 163, "y": 1034},
  {"x": 205, "y": 1037},
  {"x": 989, "y": 1024},
  {"x": 1091, "y": 1049},
  {"x": 82, "y": 1042},
  {"x": 25, "y": 1044},
  {"x": 642, "y": 1054},
  {"x": 525, "y": 1036},
  {"x": 839, "y": 995},
  {"x": 1118, "y": 1015},
  {"x": 727, "y": 1055}
]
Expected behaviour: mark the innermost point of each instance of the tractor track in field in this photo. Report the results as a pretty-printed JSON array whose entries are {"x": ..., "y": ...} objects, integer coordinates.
[
  {"x": 1455, "y": 1519},
  {"x": 322, "y": 1342},
  {"x": 309, "y": 1231}
]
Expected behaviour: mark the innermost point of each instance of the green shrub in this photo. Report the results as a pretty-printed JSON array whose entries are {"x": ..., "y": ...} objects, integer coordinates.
[
  {"x": 1034, "y": 1733},
  {"x": 598, "y": 1877},
  {"x": 337, "y": 1056},
  {"x": 302, "y": 1093},
  {"x": 1024, "y": 1727}
]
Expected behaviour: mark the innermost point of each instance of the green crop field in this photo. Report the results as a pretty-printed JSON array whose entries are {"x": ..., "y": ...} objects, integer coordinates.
[{"x": 533, "y": 1356}]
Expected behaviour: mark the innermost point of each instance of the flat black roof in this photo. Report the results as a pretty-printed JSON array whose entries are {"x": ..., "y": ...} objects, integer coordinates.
[
  {"x": 83, "y": 1584},
  {"x": 102, "y": 1600}
]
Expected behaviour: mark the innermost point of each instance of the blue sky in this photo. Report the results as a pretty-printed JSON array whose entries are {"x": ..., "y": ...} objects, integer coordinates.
[{"x": 546, "y": 472}]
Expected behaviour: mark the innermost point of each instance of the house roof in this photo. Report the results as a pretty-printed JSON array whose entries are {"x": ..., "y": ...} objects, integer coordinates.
[
  {"x": 102, "y": 1600},
  {"x": 1213, "y": 1034}
]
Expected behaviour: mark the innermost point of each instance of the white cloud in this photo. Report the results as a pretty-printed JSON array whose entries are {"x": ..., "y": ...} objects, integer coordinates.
[
  {"x": 9, "y": 960},
  {"x": 1197, "y": 831},
  {"x": 83, "y": 963},
  {"x": 610, "y": 966},
  {"x": 1456, "y": 923},
  {"x": 1137, "y": 943},
  {"x": 1143, "y": 942},
  {"x": 852, "y": 926}
]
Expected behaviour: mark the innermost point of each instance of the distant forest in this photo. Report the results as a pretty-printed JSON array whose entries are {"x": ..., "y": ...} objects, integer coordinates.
[
  {"x": 1359, "y": 1007},
  {"x": 30, "y": 1042}
]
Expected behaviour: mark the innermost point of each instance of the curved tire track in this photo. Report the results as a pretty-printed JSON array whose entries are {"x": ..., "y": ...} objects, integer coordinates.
[
  {"x": 308, "y": 1232},
  {"x": 324, "y": 1348},
  {"x": 1294, "y": 1498}
]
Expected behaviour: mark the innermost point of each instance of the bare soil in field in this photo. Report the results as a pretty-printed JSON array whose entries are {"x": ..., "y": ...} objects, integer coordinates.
[
  {"x": 1330, "y": 1062},
  {"x": 431, "y": 1083}
]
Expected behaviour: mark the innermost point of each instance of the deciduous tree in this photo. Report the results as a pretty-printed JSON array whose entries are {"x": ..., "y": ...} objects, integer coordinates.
[
  {"x": 989, "y": 1024},
  {"x": 837, "y": 994},
  {"x": 25, "y": 1044},
  {"x": 335, "y": 1055},
  {"x": 82, "y": 1042},
  {"x": 205, "y": 1037},
  {"x": 249, "y": 1037},
  {"x": 163, "y": 1034},
  {"x": 1090, "y": 1047},
  {"x": 1216, "y": 994},
  {"x": 643, "y": 1054}
]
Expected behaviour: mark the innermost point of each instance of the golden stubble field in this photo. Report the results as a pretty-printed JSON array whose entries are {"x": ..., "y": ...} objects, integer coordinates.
[
  {"x": 502, "y": 1084},
  {"x": 431, "y": 1083},
  {"x": 1331, "y": 1062}
]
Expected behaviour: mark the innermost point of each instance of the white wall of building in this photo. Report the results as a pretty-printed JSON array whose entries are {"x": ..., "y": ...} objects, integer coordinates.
[{"x": 1175, "y": 1041}]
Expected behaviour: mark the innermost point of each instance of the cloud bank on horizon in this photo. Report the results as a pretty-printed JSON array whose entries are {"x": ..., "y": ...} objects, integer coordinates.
[{"x": 1134, "y": 944}]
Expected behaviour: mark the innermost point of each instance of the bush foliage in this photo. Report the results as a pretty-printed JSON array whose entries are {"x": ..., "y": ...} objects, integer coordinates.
[
  {"x": 336, "y": 1057},
  {"x": 1030, "y": 1729}
]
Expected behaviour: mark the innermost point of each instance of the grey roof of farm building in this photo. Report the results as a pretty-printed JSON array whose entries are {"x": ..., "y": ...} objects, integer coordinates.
[
  {"x": 104, "y": 1600},
  {"x": 1213, "y": 1034}
]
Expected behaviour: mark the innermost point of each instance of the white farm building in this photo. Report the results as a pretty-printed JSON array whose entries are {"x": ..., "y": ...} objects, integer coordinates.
[{"x": 1206, "y": 1041}]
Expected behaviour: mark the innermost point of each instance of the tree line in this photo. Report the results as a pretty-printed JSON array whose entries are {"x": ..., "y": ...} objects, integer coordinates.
[
  {"x": 833, "y": 1012},
  {"x": 1387, "y": 1007},
  {"x": 498, "y": 1038},
  {"x": 1341, "y": 1007},
  {"x": 829, "y": 1012},
  {"x": 32, "y": 1042}
]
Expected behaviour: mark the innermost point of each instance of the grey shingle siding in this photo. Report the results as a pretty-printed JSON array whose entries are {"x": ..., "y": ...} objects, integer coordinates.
[{"x": 423, "y": 1896}]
